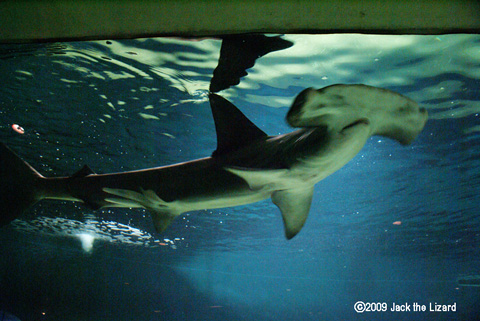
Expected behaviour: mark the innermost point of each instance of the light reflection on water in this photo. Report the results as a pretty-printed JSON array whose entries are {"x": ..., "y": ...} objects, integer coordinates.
[{"x": 91, "y": 231}]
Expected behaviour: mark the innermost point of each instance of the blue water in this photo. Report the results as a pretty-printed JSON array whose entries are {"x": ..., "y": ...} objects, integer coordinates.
[{"x": 124, "y": 105}]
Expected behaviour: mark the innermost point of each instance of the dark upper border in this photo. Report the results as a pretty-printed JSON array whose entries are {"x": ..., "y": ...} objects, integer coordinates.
[{"x": 53, "y": 20}]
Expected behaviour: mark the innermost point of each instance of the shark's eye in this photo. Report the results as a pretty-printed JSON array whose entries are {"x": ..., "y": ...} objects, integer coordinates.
[{"x": 407, "y": 109}]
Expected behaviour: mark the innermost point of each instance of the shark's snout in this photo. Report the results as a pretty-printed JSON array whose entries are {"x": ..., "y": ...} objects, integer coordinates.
[{"x": 300, "y": 107}]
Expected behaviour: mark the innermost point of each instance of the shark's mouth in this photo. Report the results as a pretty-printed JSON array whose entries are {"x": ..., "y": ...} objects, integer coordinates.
[{"x": 362, "y": 121}]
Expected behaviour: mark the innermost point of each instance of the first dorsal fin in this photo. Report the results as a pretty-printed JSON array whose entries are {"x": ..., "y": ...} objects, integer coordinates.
[
  {"x": 234, "y": 130},
  {"x": 85, "y": 171}
]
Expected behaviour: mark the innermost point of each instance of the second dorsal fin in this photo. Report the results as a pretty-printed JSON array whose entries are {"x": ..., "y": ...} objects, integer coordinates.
[
  {"x": 234, "y": 130},
  {"x": 84, "y": 171}
]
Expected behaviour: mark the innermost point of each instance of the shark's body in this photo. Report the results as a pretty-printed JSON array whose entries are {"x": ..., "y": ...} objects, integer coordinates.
[{"x": 248, "y": 166}]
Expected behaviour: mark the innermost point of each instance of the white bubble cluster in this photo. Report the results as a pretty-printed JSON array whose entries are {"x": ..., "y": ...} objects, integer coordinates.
[{"x": 92, "y": 231}]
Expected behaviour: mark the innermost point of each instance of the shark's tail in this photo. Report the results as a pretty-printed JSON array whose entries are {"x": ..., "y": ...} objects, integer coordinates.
[{"x": 18, "y": 185}]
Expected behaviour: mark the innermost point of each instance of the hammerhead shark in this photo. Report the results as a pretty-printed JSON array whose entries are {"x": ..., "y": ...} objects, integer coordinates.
[{"x": 334, "y": 124}]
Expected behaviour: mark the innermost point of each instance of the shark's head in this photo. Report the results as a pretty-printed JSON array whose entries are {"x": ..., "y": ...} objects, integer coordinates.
[{"x": 340, "y": 106}]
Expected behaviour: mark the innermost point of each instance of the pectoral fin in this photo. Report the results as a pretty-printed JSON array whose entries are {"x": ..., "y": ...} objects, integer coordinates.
[{"x": 294, "y": 205}]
